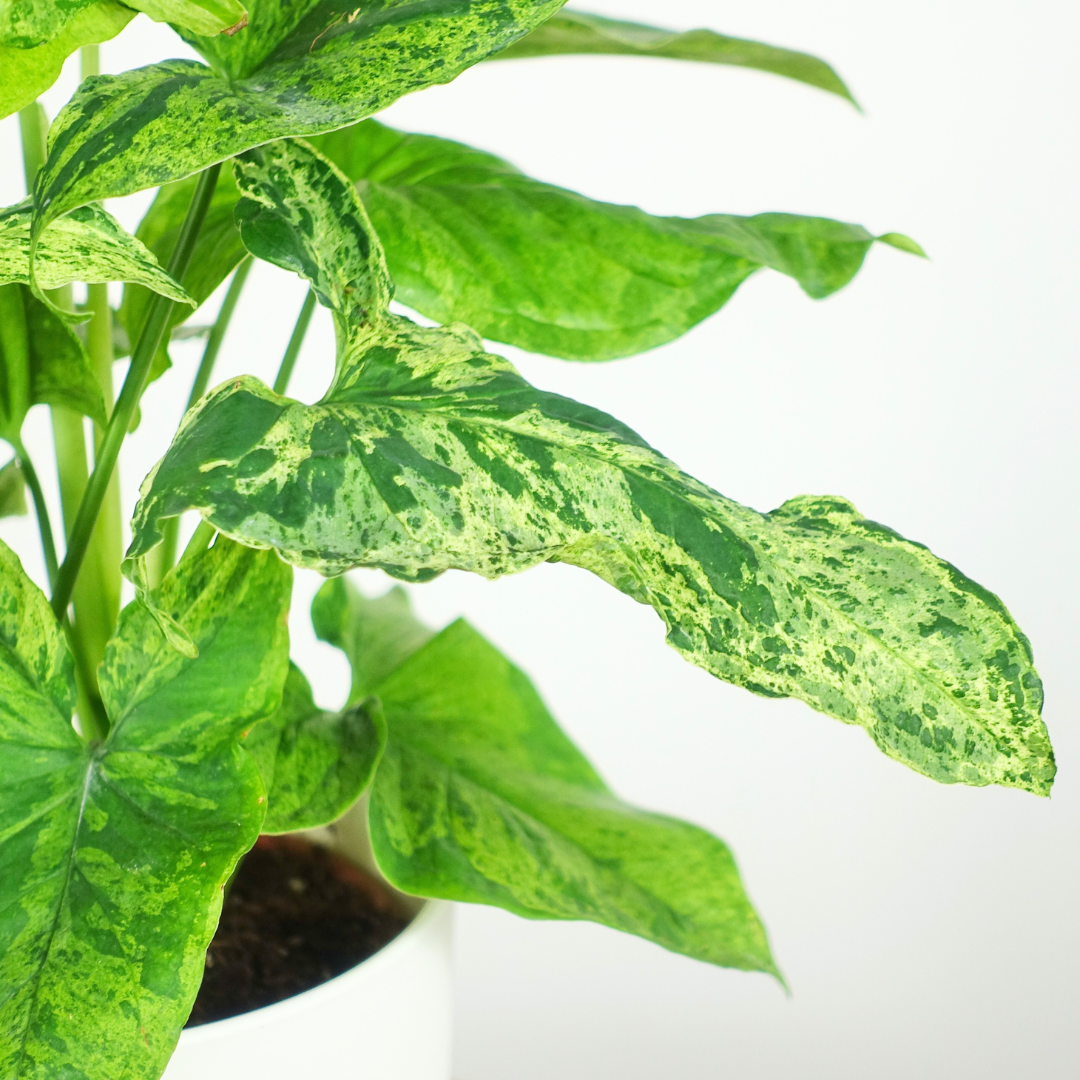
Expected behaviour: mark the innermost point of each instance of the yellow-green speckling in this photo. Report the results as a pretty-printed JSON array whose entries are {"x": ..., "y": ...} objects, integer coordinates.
[
  {"x": 430, "y": 454},
  {"x": 113, "y": 855}
]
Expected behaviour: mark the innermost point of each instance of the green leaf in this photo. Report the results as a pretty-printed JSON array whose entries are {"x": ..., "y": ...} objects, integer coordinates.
[
  {"x": 376, "y": 635},
  {"x": 218, "y": 251},
  {"x": 470, "y": 238},
  {"x": 42, "y": 361},
  {"x": 578, "y": 32},
  {"x": 428, "y": 454},
  {"x": 27, "y": 23},
  {"x": 480, "y": 797},
  {"x": 903, "y": 243},
  {"x": 12, "y": 491},
  {"x": 315, "y": 764},
  {"x": 25, "y": 73},
  {"x": 113, "y": 856},
  {"x": 197, "y": 16},
  {"x": 146, "y": 127},
  {"x": 87, "y": 245}
]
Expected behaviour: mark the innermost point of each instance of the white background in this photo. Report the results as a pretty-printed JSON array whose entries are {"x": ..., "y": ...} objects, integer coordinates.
[{"x": 926, "y": 931}]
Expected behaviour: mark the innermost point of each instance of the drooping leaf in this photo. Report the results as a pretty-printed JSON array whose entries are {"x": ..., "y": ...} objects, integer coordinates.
[
  {"x": 113, "y": 856},
  {"x": 218, "y": 250},
  {"x": 42, "y": 361},
  {"x": 315, "y": 764},
  {"x": 577, "y": 32},
  {"x": 146, "y": 127},
  {"x": 480, "y": 797},
  {"x": 197, "y": 16},
  {"x": 25, "y": 73},
  {"x": 429, "y": 454},
  {"x": 469, "y": 238},
  {"x": 12, "y": 490},
  {"x": 376, "y": 635},
  {"x": 87, "y": 245}
]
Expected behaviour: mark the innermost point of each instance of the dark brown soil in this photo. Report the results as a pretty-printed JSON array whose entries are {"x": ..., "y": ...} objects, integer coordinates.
[{"x": 296, "y": 915}]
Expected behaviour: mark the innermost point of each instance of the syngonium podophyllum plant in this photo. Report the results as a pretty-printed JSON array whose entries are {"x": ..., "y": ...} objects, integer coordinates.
[{"x": 142, "y": 751}]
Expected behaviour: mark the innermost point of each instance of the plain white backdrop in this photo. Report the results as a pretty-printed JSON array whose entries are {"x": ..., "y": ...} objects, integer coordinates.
[{"x": 926, "y": 931}]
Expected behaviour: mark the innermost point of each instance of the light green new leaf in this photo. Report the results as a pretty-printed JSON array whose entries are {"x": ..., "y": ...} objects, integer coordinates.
[
  {"x": 42, "y": 361},
  {"x": 12, "y": 490},
  {"x": 113, "y": 856},
  {"x": 469, "y": 238},
  {"x": 480, "y": 797},
  {"x": 196, "y": 16},
  {"x": 27, "y": 73},
  {"x": 27, "y": 23},
  {"x": 146, "y": 127},
  {"x": 87, "y": 245},
  {"x": 429, "y": 454},
  {"x": 572, "y": 32},
  {"x": 376, "y": 635},
  {"x": 315, "y": 764},
  {"x": 218, "y": 250}
]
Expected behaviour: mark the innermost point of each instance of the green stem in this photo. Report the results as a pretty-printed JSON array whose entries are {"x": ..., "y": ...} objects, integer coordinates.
[
  {"x": 142, "y": 358},
  {"x": 164, "y": 555},
  {"x": 33, "y": 127},
  {"x": 48, "y": 545},
  {"x": 292, "y": 350}
]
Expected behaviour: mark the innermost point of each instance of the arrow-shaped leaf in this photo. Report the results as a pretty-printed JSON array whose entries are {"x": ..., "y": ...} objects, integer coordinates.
[
  {"x": 113, "y": 856},
  {"x": 429, "y": 454},
  {"x": 468, "y": 237}
]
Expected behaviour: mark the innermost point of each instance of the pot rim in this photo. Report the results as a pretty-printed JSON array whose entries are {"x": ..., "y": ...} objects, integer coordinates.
[{"x": 282, "y": 1011}]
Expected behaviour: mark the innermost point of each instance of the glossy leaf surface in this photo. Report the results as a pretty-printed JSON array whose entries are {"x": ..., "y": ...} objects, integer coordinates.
[
  {"x": 315, "y": 764},
  {"x": 146, "y": 127},
  {"x": 480, "y": 797},
  {"x": 429, "y": 454},
  {"x": 87, "y": 245},
  {"x": 27, "y": 73},
  {"x": 113, "y": 857},
  {"x": 468, "y": 237},
  {"x": 572, "y": 32}
]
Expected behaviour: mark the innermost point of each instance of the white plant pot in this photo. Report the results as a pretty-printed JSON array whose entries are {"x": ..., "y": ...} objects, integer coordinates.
[{"x": 389, "y": 1018}]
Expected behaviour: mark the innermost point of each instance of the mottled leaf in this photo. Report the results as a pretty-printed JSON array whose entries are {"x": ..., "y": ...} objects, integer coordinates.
[
  {"x": 315, "y": 764},
  {"x": 113, "y": 856},
  {"x": 480, "y": 797},
  {"x": 197, "y": 16},
  {"x": 428, "y": 454},
  {"x": 42, "y": 361},
  {"x": 376, "y": 635},
  {"x": 26, "y": 73},
  {"x": 470, "y": 238},
  {"x": 26, "y": 23},
  {"x": 87, "y": 245},
  {"x": 578, "y": 32},
  {"x": 12, "y": 490},
  {"x": 217, "y": 252},
  {"x": 146, "y": 127}
]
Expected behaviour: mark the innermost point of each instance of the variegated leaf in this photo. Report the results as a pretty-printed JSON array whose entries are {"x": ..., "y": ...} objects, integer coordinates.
[
  {"x": 429, "y": 454},
  {"x": 146, "y": 127},
  {"x": 468, "y": 237},
  {"x": 27, "y": 23},
  {"x": 577, "y": 32},
  {"x": 113, "y": 855},
  {"x": 87, "y": 245},
  {"x": 26, "y": 73},
  {"x": 315, "y": 763}
]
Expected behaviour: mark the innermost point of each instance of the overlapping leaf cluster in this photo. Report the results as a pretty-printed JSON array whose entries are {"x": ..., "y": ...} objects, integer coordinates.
[{"x": 426, "y": 453}]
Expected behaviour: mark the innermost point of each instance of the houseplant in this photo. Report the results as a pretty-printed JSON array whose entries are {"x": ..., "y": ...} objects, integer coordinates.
[{"x": 425, "y": 454}]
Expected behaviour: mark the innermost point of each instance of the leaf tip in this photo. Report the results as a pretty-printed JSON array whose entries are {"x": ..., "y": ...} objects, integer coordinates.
[{"x": 903, "y": 243}]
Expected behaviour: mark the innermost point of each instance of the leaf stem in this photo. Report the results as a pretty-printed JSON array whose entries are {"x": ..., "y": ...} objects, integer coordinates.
[
  {"x": 292, "y": 350},
  {"x": 142, "y": 358},
  {"x": 164, "y": 556},
  {"x": 48, "y": 545}
]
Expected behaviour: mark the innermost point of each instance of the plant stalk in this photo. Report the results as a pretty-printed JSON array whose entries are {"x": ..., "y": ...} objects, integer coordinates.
[
  {"x": 142, "y": 358},
  {"x": 48, "y": 545},
  {"x": 164, "y": 555},
  {"x": 292, "y": 350}
]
